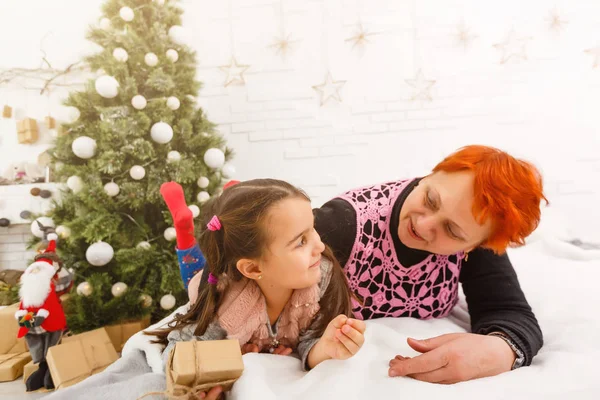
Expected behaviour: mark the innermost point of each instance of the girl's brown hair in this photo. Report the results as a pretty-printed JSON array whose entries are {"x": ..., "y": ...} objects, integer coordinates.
[{"x": 242, "y": 210}]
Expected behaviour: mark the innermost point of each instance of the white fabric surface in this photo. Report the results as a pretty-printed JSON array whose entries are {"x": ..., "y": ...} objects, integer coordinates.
[{"x": 560, "y": 286}]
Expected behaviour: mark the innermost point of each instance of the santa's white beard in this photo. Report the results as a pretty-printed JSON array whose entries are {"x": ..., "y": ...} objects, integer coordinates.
[{"x": 35, "y": 287}]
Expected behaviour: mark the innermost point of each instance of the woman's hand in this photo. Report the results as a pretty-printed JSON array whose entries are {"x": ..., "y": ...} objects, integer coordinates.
[
  {"x": 342, "y": 339},
  {"x": 455, "y": 357}
]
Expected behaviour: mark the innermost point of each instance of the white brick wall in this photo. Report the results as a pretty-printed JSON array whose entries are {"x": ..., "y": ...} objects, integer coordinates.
[
  {"x": 543, "y": 108},
  {"x": 13, "y": 254}
]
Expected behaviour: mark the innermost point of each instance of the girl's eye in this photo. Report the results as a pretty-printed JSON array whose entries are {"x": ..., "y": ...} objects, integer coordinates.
[
  {"x": 302, "y": 242},
  {"x": 429, "y": 201}
]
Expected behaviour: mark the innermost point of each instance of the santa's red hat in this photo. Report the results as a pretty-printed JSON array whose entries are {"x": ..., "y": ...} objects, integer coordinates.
[{"x": 50, "y": 249}]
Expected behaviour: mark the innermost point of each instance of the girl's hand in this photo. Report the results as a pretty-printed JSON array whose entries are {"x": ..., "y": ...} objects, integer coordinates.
[
  {"x": 249, "y": 348},
  {"x": 213, "y": 394},
  {"x": 342, "y": 339},
  {"x": 282, "y": 350}
]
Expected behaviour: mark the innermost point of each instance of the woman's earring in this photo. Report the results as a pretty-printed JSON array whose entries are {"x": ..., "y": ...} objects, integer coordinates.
[
  {"x": 467, "y": 256},
  {"x": 260, "y": 277}
]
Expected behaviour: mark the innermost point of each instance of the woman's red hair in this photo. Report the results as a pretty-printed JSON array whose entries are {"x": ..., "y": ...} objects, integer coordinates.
[{"x": 507, "y": 190}]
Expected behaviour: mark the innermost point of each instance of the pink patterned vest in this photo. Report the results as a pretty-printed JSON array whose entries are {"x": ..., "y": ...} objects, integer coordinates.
[{"x": 425, "y": 290}]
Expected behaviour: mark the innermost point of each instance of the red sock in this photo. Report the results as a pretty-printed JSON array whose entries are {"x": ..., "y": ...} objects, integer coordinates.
[{"x": 183, "y": 218}]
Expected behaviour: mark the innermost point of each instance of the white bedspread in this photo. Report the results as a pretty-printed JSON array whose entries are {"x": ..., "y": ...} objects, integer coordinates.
[{"x": 563, "y": 293}]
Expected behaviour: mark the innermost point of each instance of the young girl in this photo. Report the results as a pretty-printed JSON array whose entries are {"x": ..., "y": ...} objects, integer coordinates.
[{"x": 272, "y": 283}]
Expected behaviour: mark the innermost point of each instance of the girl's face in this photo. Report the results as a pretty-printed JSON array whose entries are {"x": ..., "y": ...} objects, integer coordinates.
[
  {"x": 293, "y": 257},
  {"x": 437, "y": 215}
]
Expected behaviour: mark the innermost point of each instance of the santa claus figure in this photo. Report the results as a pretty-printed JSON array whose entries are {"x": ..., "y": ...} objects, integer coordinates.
[{"x": 40, "y": 316}]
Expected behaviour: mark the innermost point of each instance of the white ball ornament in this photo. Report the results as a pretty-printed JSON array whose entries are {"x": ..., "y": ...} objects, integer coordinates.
[
  {"x": 151, "y": 59},
  {"x": 228, "y": 170},
  {"x": 84, "y": 289},
  {"x": 195, "y": 210},
  {"x": 143, "y": 245},
  {"x": 170, "y": 234},
  {"x": 173, "y": 156},
  {"x": 72, "y": 114},
  {"x": 107, "y": 86},
  {"x": 99, "y": 254},
  {"x": 63, "y": 231},
  {"x": 214, "y": 158},
  {"x": 120, "y": 54},
  {"x": 146, "y": 300},
  {"x": 112, "y": 189},
  {"x": 105, "y": 24},
  {"x": 176, "y": 33},
  {"x": 84, "y": 147},
  {"x": 161, "y": 132},
  {"x": 167, "y": 301},
  {"x": 203, "y": 182},
  {"x": 126, "y": 14},
  {"x": 35, "y": 228},
  {"x": 172, "y": 55},
  {"x": 118, "y": 289},
  {"x": 139, "y": 102},
  {"x": 203, "y": 197},
  {"x": 75, "y": 183},
  {"x": 137, "y": 172},
  {"x": 173, "y": 103}
]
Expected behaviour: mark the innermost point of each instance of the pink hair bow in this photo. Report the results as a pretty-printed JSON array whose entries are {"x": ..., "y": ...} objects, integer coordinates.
[{"x": 214, "y": 224}]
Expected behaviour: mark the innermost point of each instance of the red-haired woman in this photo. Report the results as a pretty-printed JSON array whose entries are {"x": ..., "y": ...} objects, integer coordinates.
[{"x": 406, "y": 245}]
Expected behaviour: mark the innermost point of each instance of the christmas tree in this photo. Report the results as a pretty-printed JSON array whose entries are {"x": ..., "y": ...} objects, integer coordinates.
[{"x": 134, "y": 127}]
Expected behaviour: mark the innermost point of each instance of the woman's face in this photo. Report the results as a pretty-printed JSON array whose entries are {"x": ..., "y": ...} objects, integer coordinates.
[{"x": 437, "y": 215}]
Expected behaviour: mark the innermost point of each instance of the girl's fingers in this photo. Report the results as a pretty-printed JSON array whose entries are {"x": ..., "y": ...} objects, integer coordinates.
[{"x": 348, "y": 343}]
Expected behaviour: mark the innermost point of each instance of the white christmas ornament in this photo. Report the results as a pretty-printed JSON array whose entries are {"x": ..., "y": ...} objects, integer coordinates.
[
  {"x": 228, "y": 170},
  {"x": 195, "y": 210},
  {"x": 214, "y": 158},
  {"x": 143, "y": 245},
  {"x": 99, "y": 254},
  {"x": 173, "y": 156},
  {"x": 170, "y": 234},
  {"x": 112, "y": 189},
  {"x": 84, "y": 289},
  {"x": 118, "y": 289},
  {"x": 146, "y": 300},
  {"x": 107, "y": 86},
  {"x": 35, "y": 228},
  {"x": 203, "y": 182},
  {"x": 151, "y": 59},
  {"x": 75, "y": 183},
  {"x": 105, "y": 24},
  {"x": 84, "y": 147},
  {"x": 161, "y": 132},
  {"x": 172, "y": 55},
  {"x": 126, "y": 14},
  {"x": 120, "y": 54},
  {"x": 137, "y": 172},
  {"x": 167, "y": 301},
  {"x": 203, "y": 197},
  {"x": 176, "y": 33},
  {"x": 173, "y": 103},
  {"x": 63, "y": 231},
  {"x": 139, "y": 102},
  {"x": 72, "y": 114}
]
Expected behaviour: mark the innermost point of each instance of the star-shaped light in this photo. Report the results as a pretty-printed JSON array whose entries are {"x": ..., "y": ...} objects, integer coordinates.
[
  {"x": 235, "y": 72},
  {"x": 513, "y": 47},
  {"x": 329, "y": 89},
  {"x": 360, "y": 37},
  {"x": 555, "y": 21},
  {"x": 463, "y": 35},
  {"x": 421, "y": 85},
  {"x": 283, "y": 44},
  {"x": 596, "y": 53}
]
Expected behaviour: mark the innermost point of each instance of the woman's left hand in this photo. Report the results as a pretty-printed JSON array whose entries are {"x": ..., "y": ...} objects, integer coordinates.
[
  {"x": 455, "y": 357},
  {"x": 282, "y": 350}
]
